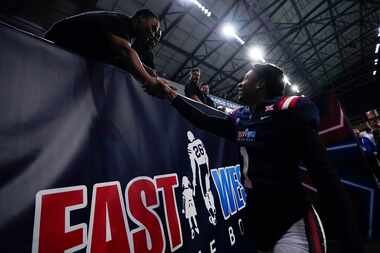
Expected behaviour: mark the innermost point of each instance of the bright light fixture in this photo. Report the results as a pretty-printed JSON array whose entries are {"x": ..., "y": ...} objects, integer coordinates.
[
  {"x": 203, "y": 8},
  {"x": 374, "y": 72},
  {"x": 229, "y": 31},
  {"x": 377, "y": 48},
  {"x": 295, "y": 88},
  {"x": 286, "y": 80},
  {"x": 256, "y": 54}
]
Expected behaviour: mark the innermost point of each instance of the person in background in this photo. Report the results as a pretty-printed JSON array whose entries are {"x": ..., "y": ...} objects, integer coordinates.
[
  {"x": 192, "y": 89},
  {"x": 108, "y": 37},
  {"x": 205, "y": 89},
  {"x": 275, "y": 133},
  {"x": 370, "y": 150},
  {"x": 374, "y": 123},
  {"x": 196, "y": 90}
]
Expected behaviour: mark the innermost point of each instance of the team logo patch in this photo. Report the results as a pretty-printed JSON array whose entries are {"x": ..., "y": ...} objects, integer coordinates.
[
  {"x": 246, "y": 135},
  {"x": 269, "y": 108}
]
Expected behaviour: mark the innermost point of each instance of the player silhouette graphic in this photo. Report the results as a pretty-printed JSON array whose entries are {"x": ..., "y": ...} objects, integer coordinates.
[
  {"x": 188, "y": 206},
  {"x": 199, "y": 162}
]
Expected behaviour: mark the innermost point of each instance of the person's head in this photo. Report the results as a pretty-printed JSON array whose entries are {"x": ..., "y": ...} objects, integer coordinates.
[
  {"x": 356, "y": 132},
  {"x": 263, "y": 81},
  {"x": 205, "y": 88},
  {"x": 195, "y": 74},
  {"x": 190, "y": 136},
  {"x": 146, "y": 28}
]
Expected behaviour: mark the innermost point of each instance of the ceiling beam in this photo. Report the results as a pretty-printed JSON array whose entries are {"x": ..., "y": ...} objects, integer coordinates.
[
  {"x": 337, "y": 38},
  {"x": 250, "y": 37},
  {"x": 225, "y": 42},
  {"x": 203, "y": 40},
  {"x": 187, "y": 54},
  {"x": 298, "y": 51},
  {"x": 305, "y": 20},
  {"x": 310, "y": 38}
]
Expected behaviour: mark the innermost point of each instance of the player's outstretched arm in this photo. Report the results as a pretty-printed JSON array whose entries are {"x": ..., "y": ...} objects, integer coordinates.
[{"x": 220, "y": 125}]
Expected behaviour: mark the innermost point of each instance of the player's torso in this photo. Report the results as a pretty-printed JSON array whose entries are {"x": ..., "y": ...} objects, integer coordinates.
[{"x": 270, "y": 142}]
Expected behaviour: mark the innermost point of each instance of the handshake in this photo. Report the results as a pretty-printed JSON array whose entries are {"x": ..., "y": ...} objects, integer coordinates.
[{"x": 160, "y": 88}]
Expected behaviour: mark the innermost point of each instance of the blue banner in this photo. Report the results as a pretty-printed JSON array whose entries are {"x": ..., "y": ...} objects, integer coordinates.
[{"x": 89, "y": 163}]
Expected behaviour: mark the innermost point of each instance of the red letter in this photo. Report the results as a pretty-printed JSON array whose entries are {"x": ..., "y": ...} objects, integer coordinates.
[
  {"x": 166, "y": 184},
  {"x": 108, "y": 230},
  {"x": 142, "y": 199},
  {"x": 52, "y": 229}
]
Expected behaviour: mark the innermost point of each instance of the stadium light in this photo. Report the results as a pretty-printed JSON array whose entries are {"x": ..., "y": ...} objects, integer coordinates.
[
  {"x": 256, "y": 54},
  {"x": 286, "y": 80},
  {"x": 295, "y": 88},
  {"x": 203, "y": 8},
  {"x": 374, "y": 72},
  {"x": 229, "y": 31},
  {"x": 378, "y": 34},
  {"x": 377, "y": 48}
]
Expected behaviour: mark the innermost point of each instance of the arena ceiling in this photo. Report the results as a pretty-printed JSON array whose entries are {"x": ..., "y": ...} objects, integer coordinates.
[
  {"x": 314, "y": 41},
  {"x": 319, "y": 43}
]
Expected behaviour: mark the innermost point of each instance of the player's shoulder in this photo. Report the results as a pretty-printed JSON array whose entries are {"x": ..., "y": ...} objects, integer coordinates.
[
  {"x": 295, "y": 103},
  {"x": 303, "y": 108}
]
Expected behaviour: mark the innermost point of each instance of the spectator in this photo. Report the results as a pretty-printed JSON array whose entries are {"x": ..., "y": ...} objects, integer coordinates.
[
  {"x": 369, "y": 148},
  {"x": 205, "y": 89},
  {"x": 107, "y": 36},
  {"x": 374, "y": 123},
  {"x": 367, "y": 143},
  {"x": 192, "y": 89},
  {"x": 196, "y": 91}
]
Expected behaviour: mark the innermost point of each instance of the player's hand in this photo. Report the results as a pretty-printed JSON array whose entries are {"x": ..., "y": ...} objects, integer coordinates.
[{"x": 158, "y": 87}]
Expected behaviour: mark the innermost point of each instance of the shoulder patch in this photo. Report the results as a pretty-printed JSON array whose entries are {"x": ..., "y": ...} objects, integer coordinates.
[{"x": 288, "y": 102}]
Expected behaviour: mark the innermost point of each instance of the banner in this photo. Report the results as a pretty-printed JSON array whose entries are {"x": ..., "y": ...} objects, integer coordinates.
[{"x": 89, "y": 163}]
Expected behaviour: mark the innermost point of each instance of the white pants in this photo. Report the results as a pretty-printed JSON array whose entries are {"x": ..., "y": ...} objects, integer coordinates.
[{"x": 304, "y": 236}]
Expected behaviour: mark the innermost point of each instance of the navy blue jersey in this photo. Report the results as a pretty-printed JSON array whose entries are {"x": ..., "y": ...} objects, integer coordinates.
[{"x": 275, "y": 139}]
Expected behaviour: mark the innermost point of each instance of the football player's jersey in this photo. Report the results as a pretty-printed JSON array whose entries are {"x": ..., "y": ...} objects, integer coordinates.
[
  {"x": 278, "y": 136},
  {"x": 271, "y": 138},
  {"x": 197, "y": 151}
]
